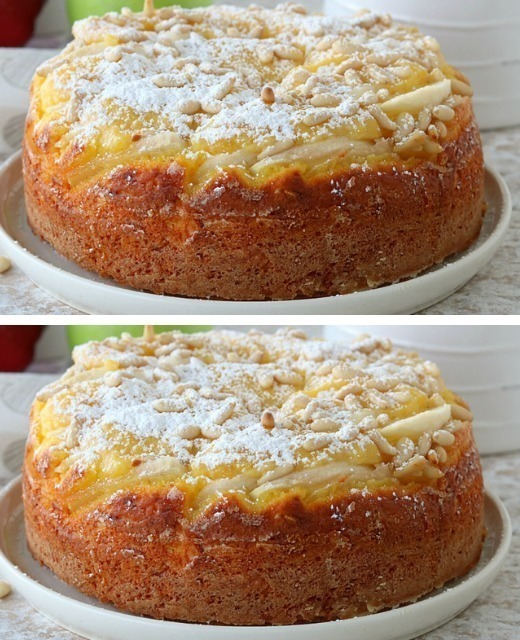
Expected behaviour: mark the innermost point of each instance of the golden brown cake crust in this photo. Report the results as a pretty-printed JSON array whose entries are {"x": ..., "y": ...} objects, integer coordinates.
[
  {"x": 289, "y": 238},
  {"x": 292, "y": 563},
  {"x": 252, "y": 478}
]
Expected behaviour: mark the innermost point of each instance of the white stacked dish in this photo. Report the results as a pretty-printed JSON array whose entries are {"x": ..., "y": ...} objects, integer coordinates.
[
  {"x": 481, "y": 363},
  {"x": 479, "y": 37}
]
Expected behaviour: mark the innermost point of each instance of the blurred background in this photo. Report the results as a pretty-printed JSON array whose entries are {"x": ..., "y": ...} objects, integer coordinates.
[
  {"x": 481, "y": 363},
  {"x": 479, "y": 37}
]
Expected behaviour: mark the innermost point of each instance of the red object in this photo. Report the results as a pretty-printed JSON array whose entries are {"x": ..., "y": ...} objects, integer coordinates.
[
  {"x": 17, "y": 18},
  {"x": 17, "y": 346}
]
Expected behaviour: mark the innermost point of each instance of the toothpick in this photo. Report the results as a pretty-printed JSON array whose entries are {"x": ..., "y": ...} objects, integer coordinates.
[
  {"x": 149, "y": 8},
  {"x": 149, "y": 333}
]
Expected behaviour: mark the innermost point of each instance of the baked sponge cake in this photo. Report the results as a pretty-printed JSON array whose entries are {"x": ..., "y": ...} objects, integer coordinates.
[
  {"x": 252, "y": 154},
  {"x": 252, "y": 479}
]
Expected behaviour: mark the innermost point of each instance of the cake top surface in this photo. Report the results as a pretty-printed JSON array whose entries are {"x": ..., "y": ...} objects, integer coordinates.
[
  {"x": 254, "y": 89},
  {"x": 255, "y": 413}
]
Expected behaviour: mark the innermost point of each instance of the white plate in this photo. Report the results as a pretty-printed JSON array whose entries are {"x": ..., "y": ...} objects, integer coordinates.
[
  {"x": 87, "y": 292},
  {"x": 91, "y": 619}
]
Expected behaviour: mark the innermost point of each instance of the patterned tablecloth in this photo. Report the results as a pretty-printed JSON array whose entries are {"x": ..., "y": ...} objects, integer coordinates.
[
  {"x": 495, "y": 290},
  {"x": 496, "y": 614}
]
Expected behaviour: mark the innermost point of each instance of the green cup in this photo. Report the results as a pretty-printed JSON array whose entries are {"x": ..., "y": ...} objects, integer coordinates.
[
  {"x": 79, "y": 9},
  {"x": 79, "y": 334}
]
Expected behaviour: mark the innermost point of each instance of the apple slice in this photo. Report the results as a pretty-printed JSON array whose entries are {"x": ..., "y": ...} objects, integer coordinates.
[
  {"x": 414, "y": 426},
  {"x": 429, "y": 96}
]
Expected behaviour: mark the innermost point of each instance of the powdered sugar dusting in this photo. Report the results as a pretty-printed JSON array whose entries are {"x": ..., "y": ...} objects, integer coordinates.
[
  {"x": 194, "y": 403},
  {"x": 126, "y": 79}
]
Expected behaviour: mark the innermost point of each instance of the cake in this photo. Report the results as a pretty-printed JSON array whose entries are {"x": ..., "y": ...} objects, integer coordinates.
[
  {"x": 252, "y": 479},
  {"x": 252, "y": 154}
]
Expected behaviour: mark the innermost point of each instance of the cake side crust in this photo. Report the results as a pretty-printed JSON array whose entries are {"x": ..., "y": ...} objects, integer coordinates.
[
  {"x": 293, "y": 563},
  {"x": 337, "y": 234}
]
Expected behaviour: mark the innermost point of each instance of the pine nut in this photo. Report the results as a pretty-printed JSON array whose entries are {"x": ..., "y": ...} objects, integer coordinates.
[
  {"x": 461, "y": 88},
  {"x": 382, "y": 118},
  {"x": 325, "y": 100},
  {"x": 433, "y": 472},
  {"x": 5, "y": 589},
  {"x": 311, "y": 407},
  {"x": 436, "y": 75},
  {"x": 316, "y": 442},
  {"x": 316, "y": 118},
  {"x": 268, "y": 420},
  {"x": 443, "y": 437},
  {"x": 224, "y": 413},
  {"x": 113, "y": 379},
  {"x": 266, "y": 56},
  {"x": 299, "y": 401},
  {"x": 297, "y": 77},
  {"x": 424, "y": 444},
  {"x": 265, "y": 379},
  {"x": 324, "y": 369},
  {"x": 433, "y": 132},
  {"x": 382, "y": 443},
  {"x": 257, "y": 32},
  {"x": 456, "y": 425},
  {"x": 414, "y": 466},
  {"x": 441, "y": 454},
  {"x": 349, "y": 388},
  {"x": 188, "y": 431},
  {"x": 71, "y": 438},
  {"x": 288, "y": 377},
  {"x": 343, "y": 372},
  {"x": 433, "y": 147},
  {"x": 424, "y": 119},
  {"x": 256, "y": 357},
  {"x": 325, "y": 43},
  {"x": 324, "y": 424},
  {"x": 414, "y": 141},
  {"x": 211, "y": 107},
  {"x": 178, "y": 356},
  {"x": 461, "y": 413},
  {"x": 352, "y": 403},
  {"x": 5, "y": 264},
  {"x": 454, "y": 100},
  {"x": 267, "y": 95},
  {"x": 353, "y": 63},
  {"x": 405, "y": 450},
  {"x": 405, "y": 125},
  {"x": 287, "y": 52},
  {"x": 71, "y": 113},
  {"x": 168, "y": 81},
  {"x": 222, "y": 89},
  {"x": 443, "y": 112},
  {"x": 113, "y": 54},
  {"x": 188, "y": 107},
  {"x": 309, "y": 86},
  {"x": 166, "y": 405},
  {"x": 431, "y": 43},
  {"x": 433, "y": 456},
  {"x": 211, "y": 432}
]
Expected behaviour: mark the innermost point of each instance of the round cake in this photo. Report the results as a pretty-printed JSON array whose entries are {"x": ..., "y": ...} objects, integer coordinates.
[
  {"x": 252, "y": 154},
  {"x": 252, "y": 479}
]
